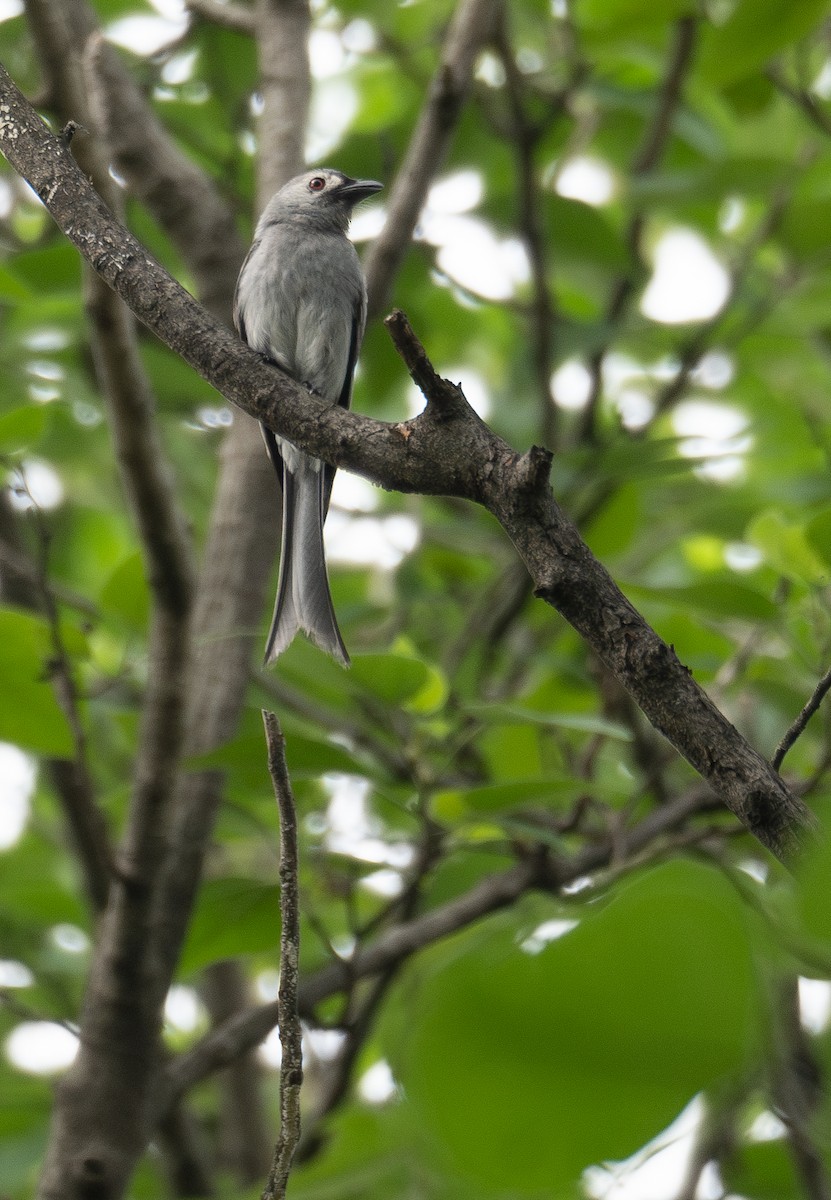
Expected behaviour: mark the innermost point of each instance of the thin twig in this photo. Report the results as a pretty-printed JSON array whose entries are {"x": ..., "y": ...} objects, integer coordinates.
[
  {"x": 647, "y": 158},
  {"x": 26, "y": 1012},
  {"x": 73, "y": 777},
  {"x": 291, "y": 1067},
  {"x": 525, "y": 136},
  {"x": 469, "y": 29},
  {"x": 803, "y": 99},
  {"x": 798, "y": 726}
]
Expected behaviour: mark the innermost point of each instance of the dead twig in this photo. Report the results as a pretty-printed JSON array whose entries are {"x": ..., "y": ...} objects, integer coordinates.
[{"x": 291, "y": 1067}]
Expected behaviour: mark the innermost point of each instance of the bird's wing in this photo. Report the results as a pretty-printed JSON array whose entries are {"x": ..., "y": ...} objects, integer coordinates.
[
  {"x": 345, "y": 397},
  {"x": 270, "y": 440},
  {"x": 273, "y": 451},
  {"x": 239, "y": 322}
]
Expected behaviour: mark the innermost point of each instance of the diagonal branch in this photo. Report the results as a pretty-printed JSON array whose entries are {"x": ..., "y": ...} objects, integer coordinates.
[
  {"x": 647, "y": 158},
  {"x": 472, "y": 25},
  {"x": 525, "y": 136},
  {"x": 799, "y": 725},
  {"x": 185, "y": 201}
]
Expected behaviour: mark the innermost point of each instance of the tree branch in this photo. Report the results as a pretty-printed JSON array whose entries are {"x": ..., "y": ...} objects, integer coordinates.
[
  {"x": 797, "y": 1092},
  {"x": 243, "y": 1136},
  {"x": 799, "y": 725},
  {"x": 472, "y": 24},
  {"x": 121, "y": 1010},
  {"x": 71, "y": 777},
  {"x": 394, "y": 946},
  {"x": 525, "y": 135},
  {"x": 229, "y": 16},
  {"x": 447, "y": 450},
  {"x": 291, "y": 1064},
  {"x": 647, "y": 157},
  {"x": 285, "y": 83},
  {"x": 185, "y": 201}
]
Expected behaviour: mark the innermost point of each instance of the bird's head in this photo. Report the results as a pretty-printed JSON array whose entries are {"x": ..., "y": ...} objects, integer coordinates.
[{"x": 324, "y": 196}]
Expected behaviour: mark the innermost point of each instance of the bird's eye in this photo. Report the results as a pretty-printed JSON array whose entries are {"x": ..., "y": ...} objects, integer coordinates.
[{"x": 317, "y": 184}]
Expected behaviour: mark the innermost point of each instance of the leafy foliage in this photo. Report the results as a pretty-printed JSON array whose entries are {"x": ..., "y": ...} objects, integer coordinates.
[{"x": 475, "y": 731}]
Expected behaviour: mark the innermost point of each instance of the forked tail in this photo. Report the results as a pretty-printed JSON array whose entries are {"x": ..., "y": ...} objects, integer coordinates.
[{"x": 303, "y": 597}]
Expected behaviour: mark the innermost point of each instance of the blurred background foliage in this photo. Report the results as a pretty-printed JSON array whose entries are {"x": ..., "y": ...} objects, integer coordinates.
[{"x": 661, "y": 320}]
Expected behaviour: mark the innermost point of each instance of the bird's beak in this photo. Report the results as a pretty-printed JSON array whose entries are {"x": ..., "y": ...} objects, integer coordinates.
[{"x": 359, "y": 189}]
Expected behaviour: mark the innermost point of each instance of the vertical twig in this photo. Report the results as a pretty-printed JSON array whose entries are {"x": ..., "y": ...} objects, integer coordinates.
[
  {"x": 72, "y": 775},
  {"x": 291, "y": 1067}
]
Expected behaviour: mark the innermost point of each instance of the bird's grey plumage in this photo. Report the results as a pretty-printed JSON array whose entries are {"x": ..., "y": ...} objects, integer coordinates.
[{"x": 301, "y": 301}]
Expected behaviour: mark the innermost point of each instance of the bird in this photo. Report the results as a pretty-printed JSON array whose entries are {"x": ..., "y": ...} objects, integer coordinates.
[{"x": 301, "y": 302}]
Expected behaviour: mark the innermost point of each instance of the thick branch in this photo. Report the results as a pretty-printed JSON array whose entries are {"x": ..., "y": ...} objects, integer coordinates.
[
  {"x": 472, "y": 25},
  {"x": 285, "y": 84},
  {"x": 105, "y": 1093},
  {"x": 184, "y": 200},
  {"x": 448, "y": 450}
]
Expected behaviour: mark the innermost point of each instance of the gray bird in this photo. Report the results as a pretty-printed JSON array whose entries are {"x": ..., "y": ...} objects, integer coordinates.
[{"x": 301, "y": 302}]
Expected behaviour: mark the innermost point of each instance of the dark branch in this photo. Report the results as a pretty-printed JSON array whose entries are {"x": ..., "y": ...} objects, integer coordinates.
[
  {"x": 470, "y": 28},
  {"x": 647, "y": 158},
  {"x": 229, "y": 16},
  {"x": 291, "y": 1065},
  {"x": 799, "y": 725}
]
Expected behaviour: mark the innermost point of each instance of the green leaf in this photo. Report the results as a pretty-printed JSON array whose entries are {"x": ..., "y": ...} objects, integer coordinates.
[
  {"x": 126, "y": 594},
  {"x": 11, "y": 289},
  {"x": 233, "y": 916},
  {"x": 763, "y": 1171},
  {"x": 583, "y": 722},
  {"x": 245, "y": 756},
  {"x": 648, "y": 1001},
  {"x": 613, "y": 15},
  {"x": 813, "y": 900},
  {"x": 581, "y": 233},
  {"x": 755, "y": 31},
  {"x": 432, "y": 695},
  {"x": 393, "y": 678},
  {"x": 21, "y": 427},
  {"x": 385, "y": 96},
  {"x": 553, "y": 790},
  {"x": 718, "y": 597},
  {"x": 30, "y": 716},
  {"x": 313, "y": 757},
  {"x": 818, "y": 533},
  {"x": 787, "y": 548}
]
